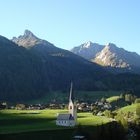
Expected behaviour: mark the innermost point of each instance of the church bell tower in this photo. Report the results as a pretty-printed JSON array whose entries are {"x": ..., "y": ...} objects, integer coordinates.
[{"x": 72, "y": 105}]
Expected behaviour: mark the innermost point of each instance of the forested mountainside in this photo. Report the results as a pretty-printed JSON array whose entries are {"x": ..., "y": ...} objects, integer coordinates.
[{"x": 31, "y": 67}]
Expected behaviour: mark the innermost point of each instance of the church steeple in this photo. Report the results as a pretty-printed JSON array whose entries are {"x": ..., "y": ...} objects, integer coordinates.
[
  {"x": 69, "y": 119},
  {"x": 71, "y": 93},
  {"x": 72, "y": 106}
]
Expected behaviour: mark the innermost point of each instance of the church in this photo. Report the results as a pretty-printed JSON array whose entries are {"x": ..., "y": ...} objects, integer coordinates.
[{"x": 68, "y": 119}]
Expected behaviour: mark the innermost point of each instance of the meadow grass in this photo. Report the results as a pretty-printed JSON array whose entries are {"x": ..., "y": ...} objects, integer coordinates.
[
  {"x": 129, "y": 108},
  {"x": 16, "y": 121},
  {"x": 113, "y": 98}
]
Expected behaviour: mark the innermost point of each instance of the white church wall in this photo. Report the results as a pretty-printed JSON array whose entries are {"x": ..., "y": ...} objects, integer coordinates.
[{"x": 65, "y": 123}]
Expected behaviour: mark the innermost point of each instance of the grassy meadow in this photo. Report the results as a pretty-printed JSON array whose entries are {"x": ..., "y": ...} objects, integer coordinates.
[
  {"x": 129, "y": 108},
  {"x": 16, "y": 121},
  {"x": 40, "y": 124},
  {"x": 113, "y": 98}
]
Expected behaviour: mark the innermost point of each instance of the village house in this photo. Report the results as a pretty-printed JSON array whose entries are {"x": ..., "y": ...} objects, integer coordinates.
[
  {"x": 3, "y": 105},
  {"x": 84, "y": 107}
]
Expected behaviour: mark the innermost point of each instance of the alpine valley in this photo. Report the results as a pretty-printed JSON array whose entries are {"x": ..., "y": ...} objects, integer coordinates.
[{"x": 30, "y": 68}]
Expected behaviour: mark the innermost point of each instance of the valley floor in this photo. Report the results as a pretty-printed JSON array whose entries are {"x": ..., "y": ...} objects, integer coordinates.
[
  {"x": 16, "y": 121},
  {"x": 40, "y": 124}
]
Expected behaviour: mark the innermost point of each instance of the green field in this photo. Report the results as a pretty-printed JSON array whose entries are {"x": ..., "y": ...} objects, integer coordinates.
[
  {"x": 90, "y": 96},
  {"x": 113, "y": 98},
  {"x": 40, "y": 124},
  {"x": 129, "y": 108},
  {"x": 16, "y": 121}
]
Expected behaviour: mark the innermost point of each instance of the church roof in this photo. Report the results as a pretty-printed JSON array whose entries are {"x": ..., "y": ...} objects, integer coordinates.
[{"x": 66, "y": 116}]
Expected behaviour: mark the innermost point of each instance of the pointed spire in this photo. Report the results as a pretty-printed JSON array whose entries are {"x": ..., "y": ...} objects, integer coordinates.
[{"x": 71, "y": 92}]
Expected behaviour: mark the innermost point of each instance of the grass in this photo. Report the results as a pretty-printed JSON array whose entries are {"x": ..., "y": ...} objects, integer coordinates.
[
  {"x": 16, "y": 121},
  {"x": 87, "y": 119},
  {"x": 113, "y": 98},
  {"x": 40, "y": 124},
  {"x": 129, "y": 108},
  {"x": 22, "y": 120}
]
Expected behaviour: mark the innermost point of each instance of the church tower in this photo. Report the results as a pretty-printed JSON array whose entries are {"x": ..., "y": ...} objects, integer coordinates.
[{"x": 72, "y": 105}]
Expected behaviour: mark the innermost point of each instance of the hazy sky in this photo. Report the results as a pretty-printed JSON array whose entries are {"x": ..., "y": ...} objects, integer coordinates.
[{"x": 68, "y": 23}]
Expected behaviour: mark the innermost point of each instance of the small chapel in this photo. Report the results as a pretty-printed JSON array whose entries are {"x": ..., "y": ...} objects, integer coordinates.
[{"x": 70, "y": 118}]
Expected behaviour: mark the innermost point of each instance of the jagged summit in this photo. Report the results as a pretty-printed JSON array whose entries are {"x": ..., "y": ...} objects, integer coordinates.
[
  {"x": 88, "y": 44},
  {"x": 28, "y": 33},
  {"x": 111, "y": 47},
  {"x": 87, "y": 50},
  {"x": 110, "y": 44},
  {"x": 28, "y": 40}
]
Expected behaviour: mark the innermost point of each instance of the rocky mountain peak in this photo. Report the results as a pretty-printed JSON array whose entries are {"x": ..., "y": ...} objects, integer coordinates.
[
  {"x": 28, "y": 33},
  {"x": 108, "y": 55},
  {"x": 110, "y": 44},
  {"x": 88, "y": 44},
  {"x": 28, "y": 39},
  {"x": 111, "y": 47},
  {"x": 87, "y": 50}
]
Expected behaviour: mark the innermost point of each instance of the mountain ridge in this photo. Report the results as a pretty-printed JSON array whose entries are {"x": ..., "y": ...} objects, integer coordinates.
[
  {"x": 32, "y": 72},
  {"x": 109, "y": 55}
]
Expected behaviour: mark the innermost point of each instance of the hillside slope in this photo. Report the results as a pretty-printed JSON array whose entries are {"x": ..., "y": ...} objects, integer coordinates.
[
  {"x": 33, "y": 71},
  {"x": 38, "y": 67},
  {"x": 19, "y": 72}
]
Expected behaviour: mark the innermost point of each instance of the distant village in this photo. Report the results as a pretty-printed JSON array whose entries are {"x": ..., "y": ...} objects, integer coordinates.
[
  {"x": 81, "y": 107},
  {"x": 96, "y": 107}
]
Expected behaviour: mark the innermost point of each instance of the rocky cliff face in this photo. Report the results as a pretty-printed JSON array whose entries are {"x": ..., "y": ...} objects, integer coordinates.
[
  {"x": 108, "y": 55},
  {"x": 29, "y": 40},
  {"x": 88, "y": 50}
]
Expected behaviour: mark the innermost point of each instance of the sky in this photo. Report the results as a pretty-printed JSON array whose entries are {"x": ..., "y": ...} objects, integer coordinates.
[{"x": 69, "y": 23}]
